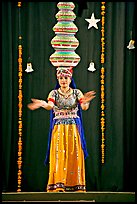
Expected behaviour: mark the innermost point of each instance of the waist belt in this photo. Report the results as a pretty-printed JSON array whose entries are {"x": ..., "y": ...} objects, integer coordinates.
[{"x": 65, "y": 114}]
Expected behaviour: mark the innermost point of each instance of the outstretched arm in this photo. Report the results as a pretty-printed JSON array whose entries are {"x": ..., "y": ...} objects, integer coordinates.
[{"x": 36, "y": 103}]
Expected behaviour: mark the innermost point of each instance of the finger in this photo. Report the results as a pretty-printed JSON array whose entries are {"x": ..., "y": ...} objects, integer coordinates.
[
  {"x": 35, "y": 100},
  {"x": 92, "y": 92},
  {"x": 89, "y": 96},
  {"x": 30, "y": 106},
  {"x": 89, "y": 93}
]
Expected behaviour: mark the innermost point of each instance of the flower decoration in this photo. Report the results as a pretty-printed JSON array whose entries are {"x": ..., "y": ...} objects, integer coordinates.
[
  {"x": 102, "y": 83},
  {"x": 20, "y": 96}
]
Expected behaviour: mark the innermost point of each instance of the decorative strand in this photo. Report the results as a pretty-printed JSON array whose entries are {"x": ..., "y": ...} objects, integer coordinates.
[
  {"x": 102, "y": 82},
  {"x": 20, "y": 96}
]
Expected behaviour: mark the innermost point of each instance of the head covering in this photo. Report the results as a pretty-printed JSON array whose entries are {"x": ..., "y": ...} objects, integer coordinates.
[{"x": 64, "y": 71}]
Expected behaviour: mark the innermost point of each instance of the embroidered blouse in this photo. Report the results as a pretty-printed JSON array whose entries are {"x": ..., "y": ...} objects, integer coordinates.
[{"x": 66, "y": 105}]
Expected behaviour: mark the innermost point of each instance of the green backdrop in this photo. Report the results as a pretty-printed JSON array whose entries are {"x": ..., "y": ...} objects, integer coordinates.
[{"x": 37, "y": 21}]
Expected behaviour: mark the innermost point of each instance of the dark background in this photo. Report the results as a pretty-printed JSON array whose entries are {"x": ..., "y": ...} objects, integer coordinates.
[{"x": 37, "y": 21}]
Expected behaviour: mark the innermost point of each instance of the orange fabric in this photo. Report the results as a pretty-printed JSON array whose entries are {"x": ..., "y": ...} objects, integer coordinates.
[{"x": 67, "y": 167}]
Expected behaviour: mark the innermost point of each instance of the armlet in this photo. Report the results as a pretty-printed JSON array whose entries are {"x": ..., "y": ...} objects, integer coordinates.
[
  {"x": 80, "y": 100},
  {"x": 51, "y": 99}
]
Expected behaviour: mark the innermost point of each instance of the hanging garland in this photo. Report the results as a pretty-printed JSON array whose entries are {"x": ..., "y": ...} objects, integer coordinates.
[
  {"x": 102, "y": 81},
  {"x": 20, "y": 95}
]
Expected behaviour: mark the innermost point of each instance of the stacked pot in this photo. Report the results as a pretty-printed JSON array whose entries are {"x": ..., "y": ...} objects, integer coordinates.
[{"x": 65, "y": 42}]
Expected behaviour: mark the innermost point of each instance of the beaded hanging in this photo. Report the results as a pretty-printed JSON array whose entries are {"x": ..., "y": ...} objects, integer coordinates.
[
  {"x": 20, "y": 96},
  {"x": 102, "y": 83}
]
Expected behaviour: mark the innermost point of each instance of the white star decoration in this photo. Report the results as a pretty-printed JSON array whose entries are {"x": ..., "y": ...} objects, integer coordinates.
[{"x": 92, "y": 21}]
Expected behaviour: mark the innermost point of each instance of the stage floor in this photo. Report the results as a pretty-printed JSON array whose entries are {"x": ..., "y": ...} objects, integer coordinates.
[{"x": 69, "y": 197}]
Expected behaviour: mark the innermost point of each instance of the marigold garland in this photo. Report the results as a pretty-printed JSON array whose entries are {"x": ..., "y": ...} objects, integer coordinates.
[
  {"x": 102, "y": 81},
  {"x": 20, "y": 96}
]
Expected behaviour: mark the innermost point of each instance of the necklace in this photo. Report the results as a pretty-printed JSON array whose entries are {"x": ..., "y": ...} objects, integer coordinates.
[{"x": 65, "y": 94}]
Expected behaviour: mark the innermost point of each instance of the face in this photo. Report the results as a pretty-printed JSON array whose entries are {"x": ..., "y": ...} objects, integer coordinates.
[{"x": 64, "y": 81}]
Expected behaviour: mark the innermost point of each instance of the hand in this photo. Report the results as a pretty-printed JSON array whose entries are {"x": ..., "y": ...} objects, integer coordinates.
[
  {"x": 36, "y": 103},
  {"x": 88, "y": 96}
]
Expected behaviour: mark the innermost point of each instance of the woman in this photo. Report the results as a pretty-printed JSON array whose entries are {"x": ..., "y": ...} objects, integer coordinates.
[{"x": 67, "y": 146}]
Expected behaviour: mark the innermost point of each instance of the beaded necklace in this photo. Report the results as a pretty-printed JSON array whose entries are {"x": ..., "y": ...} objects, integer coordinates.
[{"x": 66, "y": 94}]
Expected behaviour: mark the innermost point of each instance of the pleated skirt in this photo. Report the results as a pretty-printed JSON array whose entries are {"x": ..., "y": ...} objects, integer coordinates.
[{"x": 66, "y": 164}]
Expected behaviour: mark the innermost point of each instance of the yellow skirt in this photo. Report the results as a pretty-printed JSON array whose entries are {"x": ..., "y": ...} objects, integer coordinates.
[{"x": 67, "y": 164}]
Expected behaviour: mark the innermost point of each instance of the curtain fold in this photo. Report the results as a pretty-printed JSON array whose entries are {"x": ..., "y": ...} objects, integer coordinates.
[{"x": 37, "y": 21}]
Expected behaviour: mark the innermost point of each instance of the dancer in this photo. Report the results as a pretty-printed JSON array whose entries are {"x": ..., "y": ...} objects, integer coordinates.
[{"x": 66, "y": 145}]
